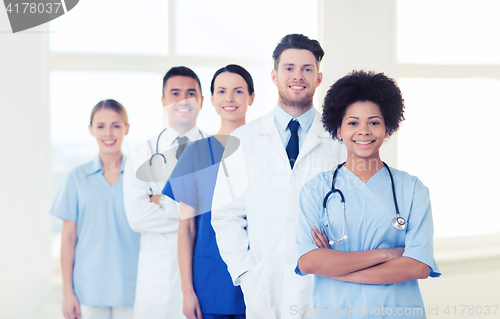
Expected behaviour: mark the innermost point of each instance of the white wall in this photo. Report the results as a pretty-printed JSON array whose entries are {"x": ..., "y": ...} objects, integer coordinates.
[
  {"x": 358, "y": 34},
  {"x": 361, "y": 34},
  {"x": 25, "y": 164}
]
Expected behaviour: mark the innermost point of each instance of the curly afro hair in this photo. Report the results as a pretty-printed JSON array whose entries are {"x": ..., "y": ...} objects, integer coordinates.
[{"x": 361, "y": 86}]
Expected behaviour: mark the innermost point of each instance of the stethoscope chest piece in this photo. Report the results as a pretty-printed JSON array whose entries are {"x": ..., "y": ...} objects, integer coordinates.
[{"x": 399, "y": 223}]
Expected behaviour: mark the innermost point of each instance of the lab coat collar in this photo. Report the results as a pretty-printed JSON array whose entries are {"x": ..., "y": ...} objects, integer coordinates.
[
  {"x": 172, "y": 134},
  {"x": 267, "y": 124},
  {"x": 283, "y": 118},
  {"x": 95, "y": 166}
]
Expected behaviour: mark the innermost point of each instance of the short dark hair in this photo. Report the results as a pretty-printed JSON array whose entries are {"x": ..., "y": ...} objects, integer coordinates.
[
  {"x": 180, "y": 71},
  {"x": 361, "y": 86},
  {"x": 234, "y": 68},
  {"x": 111, "y": 105},
  {"x": 297, "y": 41}
]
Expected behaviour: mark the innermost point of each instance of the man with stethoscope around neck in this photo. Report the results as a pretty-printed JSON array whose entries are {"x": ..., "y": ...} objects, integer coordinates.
[{"x": 155, "y": 216}]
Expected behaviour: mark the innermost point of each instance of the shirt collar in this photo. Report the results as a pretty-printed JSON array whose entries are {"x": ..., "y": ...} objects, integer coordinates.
[
  {"x": 172, "y": 134},
  {"x": 95, "y": 166},
  {"x": 283, "y": 118}
]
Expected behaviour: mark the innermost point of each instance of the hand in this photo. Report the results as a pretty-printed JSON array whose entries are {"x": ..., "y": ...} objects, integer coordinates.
[
  {"x": 191, "y": 306},
  {"x": 70, "y": 307},
  {"x": 320, "y": 239},
  {"x": 155, "y": 199}
]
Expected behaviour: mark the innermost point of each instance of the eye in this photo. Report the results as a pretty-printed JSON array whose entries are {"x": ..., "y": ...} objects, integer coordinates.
[
  {"x": 308, "y": 70},
  {"x": 374, "y": 123},
  {"x": 100, "y": 126},
  {"x": 220, "y": 92},
  {"x": 288, "y": 69},
  {"x": 117, "y": 126},
  {"x": 191, "y": 94},
  {"x": 239, "y": 91},
  {"x": 175, "y": 93},
  {"x": 351, "y": 123}
]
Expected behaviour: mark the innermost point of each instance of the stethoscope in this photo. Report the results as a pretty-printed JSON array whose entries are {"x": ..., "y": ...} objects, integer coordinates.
[
  {"x": 398, "y": 222},
  {"x": 158, "y": 153}
]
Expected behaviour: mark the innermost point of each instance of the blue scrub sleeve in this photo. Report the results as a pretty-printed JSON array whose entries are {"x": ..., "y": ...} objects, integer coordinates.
[
  {"x": 418, "y": 239},
  {"x": 182, "y": 186},
  {"x": 310, "y": 201},
  {"x": 65, "y": 205}
]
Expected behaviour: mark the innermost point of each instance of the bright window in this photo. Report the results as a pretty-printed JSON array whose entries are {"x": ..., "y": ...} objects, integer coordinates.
[{"x": 453, "y": 103}]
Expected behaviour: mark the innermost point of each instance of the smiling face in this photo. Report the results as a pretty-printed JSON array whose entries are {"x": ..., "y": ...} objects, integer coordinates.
[
  {"x": 363, "y": 130},
  {"x": 297, "y": 78},
  {"x": 183, "y": 101},
  {"x": 231, "y": 98},
  {"x": 109, "y": 129}
]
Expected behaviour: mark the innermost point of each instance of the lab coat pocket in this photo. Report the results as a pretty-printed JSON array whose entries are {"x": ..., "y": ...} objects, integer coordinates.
[
  {"x": 253, "y": 285},
  {"x": 204, "y": 279},
  {"x": 152, "y": 281}
]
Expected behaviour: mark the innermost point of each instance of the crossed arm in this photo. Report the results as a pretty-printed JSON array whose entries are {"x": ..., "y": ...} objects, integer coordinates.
[{"x": 375, "y": 266}]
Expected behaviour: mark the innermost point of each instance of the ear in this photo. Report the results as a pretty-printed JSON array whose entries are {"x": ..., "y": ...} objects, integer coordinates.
[
  {"x": 386, "y": 132},
  {"x": 90, "y": 130},
  {"x": 274, "y": 76},
  {"x": 320, "y": 79},
  {"x": 201, "y": 103},
  {"x": 163, "y": 101},
  {"x": 339, "y": 134},
  {"x": 127, "y": 127},
  {"x": 252, "y": 97}
]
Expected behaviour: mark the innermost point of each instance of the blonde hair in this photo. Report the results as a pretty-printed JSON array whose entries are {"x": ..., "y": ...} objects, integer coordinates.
[{"x": 112, "y": 105}]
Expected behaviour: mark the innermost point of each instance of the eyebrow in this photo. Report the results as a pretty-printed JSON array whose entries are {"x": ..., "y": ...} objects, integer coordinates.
[
  {"x": 101, "y": 123},
  {"x": 304, "y": 65},
  {"x": 371, "y": 117},
  {"x": 189, "y": 90},
  {"x": 221, "y": 87}
]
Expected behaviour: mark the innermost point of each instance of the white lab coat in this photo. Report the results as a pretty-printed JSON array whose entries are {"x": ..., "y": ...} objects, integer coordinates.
[
  {"x": 158, "y": 292},
  {"x": 262, "y": 194}
]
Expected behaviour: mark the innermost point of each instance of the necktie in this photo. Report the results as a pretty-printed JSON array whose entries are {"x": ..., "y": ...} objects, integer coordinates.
[
  {"x": 292, "y": 149},
  {"x": 182, "y": 141}
]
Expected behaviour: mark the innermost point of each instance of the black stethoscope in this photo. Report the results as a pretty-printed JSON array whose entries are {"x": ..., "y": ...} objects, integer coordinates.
[
  {"x": 160, "y": 154},
  {"x": 398, "y": 222}
]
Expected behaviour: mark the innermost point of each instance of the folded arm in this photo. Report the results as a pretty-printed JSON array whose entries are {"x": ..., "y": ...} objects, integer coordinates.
[
  {"x": 333, "y": 263},
  {"x": 142, "y": 214},
  {"x": 392, "y": 272}
]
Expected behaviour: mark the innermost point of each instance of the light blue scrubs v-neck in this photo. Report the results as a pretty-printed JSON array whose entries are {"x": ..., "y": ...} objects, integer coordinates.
[
  {"x": 369, "y": 212},
  {"x": 107, "y": 249}
]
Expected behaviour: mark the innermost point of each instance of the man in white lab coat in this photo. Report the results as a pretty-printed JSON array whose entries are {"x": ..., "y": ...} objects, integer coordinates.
[
  {"x": 151, "y": 213},
  {"x": 256, "y": 200}
]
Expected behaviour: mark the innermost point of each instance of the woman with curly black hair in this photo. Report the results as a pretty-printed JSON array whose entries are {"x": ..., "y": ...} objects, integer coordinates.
[{"x": 365, "y": 229}]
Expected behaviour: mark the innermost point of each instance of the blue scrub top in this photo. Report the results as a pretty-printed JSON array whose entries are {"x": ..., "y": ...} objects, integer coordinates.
[
  {"x": 369, "y": 210},
  {"x": 107, "y": 249},
  {"x": 193, "y": 182}
]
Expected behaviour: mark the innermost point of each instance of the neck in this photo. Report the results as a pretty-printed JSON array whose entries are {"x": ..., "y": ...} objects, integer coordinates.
[
  {"x": 181, "y": 129},
  {"x": 110, "y": 161},
  {"x": 364, "y": 168},
  {"x": 227, "y": 127},
  {"x": 294, "y": 111}
]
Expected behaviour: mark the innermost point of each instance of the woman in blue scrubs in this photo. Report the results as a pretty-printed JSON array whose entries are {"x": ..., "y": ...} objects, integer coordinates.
[
  {"x": 208, "y": 291},
  {"x": 372, "y": 271},
  {"x": 99, "y": 250}
]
